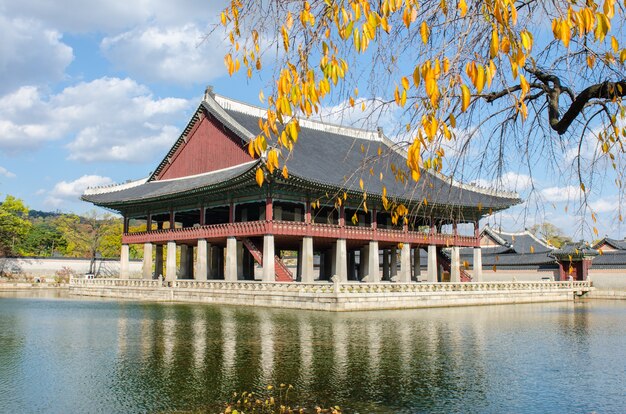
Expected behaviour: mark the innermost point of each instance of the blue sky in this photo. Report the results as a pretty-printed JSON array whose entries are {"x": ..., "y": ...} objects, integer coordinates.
[{"x": 93, "y": 94}]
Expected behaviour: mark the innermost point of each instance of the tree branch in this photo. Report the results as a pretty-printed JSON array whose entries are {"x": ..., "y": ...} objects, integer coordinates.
[{"x": 606, "y": 90}]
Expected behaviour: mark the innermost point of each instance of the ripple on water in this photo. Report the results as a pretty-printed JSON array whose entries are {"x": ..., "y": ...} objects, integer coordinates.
[{"x": 107, "y": 356}]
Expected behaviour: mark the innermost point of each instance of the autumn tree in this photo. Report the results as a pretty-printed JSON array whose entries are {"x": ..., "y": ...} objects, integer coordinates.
[
  {"x": 551, "y": 233},
  {"x": 86, "y": 235},
  {"x": 505, "y": 80}
]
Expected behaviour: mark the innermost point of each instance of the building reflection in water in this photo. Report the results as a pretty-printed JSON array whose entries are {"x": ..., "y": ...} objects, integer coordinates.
[{"x": 203, "y": 353}]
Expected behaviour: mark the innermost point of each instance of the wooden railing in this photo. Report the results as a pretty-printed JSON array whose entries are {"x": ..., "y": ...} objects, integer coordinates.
[{"x": 300, "y": 229}]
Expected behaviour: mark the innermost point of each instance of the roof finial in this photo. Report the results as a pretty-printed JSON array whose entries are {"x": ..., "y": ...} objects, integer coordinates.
[{"x": 208, "y": 92}]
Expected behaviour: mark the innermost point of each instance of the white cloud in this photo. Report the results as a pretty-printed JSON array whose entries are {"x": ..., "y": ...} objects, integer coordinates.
[
  {"x": 64, "y": 191},
  {"x": 111, "y": 15},
  {"x": 510, "y": 181},
  {"x": 377, "y": 114},
  {"x": 6, "y": 173},
  {"x": 605, "y": 205},
  {"x": 30, "y": 54},
  {"x": 107, "y": 119},
  {"x": 560, "y": 194},
  {"x": 176, "y": 54}
]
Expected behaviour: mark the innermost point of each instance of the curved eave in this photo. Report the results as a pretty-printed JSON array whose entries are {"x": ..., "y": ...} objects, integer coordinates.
[
  {"x": 322, "y": 186},
  {"x": 241, "y": 180}
]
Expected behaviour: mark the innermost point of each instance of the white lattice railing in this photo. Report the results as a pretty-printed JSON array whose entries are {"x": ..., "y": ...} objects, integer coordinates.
[{"x": 345, "y": 288}]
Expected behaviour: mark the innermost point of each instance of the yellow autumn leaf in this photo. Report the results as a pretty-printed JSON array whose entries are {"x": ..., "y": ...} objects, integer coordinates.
[
  {"x": 424, "y": 32},
  {"x": 493, "y": 45},
  {"x": 260, "y": 177},
  {"x": 462, "y": 8},
  {"x": 524, "y": 85},
  {"x": 527, "y": 39},
  {"x": 465, "y": 97}
]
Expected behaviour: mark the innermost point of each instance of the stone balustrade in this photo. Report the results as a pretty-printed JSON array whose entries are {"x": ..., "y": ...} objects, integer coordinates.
[{"x": 344, "y": 288}]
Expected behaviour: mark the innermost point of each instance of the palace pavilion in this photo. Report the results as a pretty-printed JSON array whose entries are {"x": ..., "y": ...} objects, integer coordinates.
[{"x": 203, "y": 207}]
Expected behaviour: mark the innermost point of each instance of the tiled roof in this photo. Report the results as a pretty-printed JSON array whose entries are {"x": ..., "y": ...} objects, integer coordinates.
[
  {"x": 616, "y": 244},
  {"x": 340, "y": 157},
  {"x": 521, "y": 242},
  {"x": 575, "y": 249},
  {"x": 149, "y": 190},
  {"x": 610, "y": 260},
  {"x": 325, "y": 154}
]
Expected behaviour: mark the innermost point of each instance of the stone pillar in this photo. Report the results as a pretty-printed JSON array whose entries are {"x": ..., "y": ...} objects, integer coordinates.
[
  {"x": 146, "y": 269},
  {"x": 351, "y": 265},
  {"x": 299, "y": 263},
  {"x": 216, "y": 262},
  {"x": 307, "y": 275},
  {"x": 158, "y": 261},
  {"x": 373, "y": 263},
  {"x": 405, "y": 263},
  {"x": 393, "y": 263},
  {"x": 333, "y": 261},
  {"x": 240, "y": 267},
  {"x": 184, "y": 264},
  {"x": 455, "y": 265},
  {"x": 417, "y": 266},
  {"x": 432, "y": 264},
  {"x": 269, "y": 271},
  {"x": 478, "y": 265},
  {"x": 210, "y": 271},
  {"x": 190, "y": 268},
  {"x": 231, "y": 259},
  {"x": 341, "y": 261},
  {"x": 124, "y": 262},
  {"x": 170, "y": 262},
  {"x": 202, "y": 254},
  {"x": 385, "y": 264},
  {"x": 363, "y": 258}
]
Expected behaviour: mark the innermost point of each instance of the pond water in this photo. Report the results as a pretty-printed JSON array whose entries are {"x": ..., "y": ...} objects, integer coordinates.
[{"x": 62, "y": 354}]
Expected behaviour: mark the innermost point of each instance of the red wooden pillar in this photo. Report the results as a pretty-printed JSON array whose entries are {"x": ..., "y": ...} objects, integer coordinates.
[
  {"x": 202, "y": 215},
  {"x": 126, "y": 220},
  {"x": 149, "y": 222},
  {"x": 172, "y": 220},
  {"x": 342, "y": 216},
  {"x": 269, "y": 210},
  {"x": 374, "y": 219},
  {"x": 231, "y": 212},
  {"x": 307, "y": 214}
]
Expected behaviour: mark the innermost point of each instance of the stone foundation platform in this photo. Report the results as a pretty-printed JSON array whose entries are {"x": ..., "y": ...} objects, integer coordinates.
[{"x": 332, "y": 296}]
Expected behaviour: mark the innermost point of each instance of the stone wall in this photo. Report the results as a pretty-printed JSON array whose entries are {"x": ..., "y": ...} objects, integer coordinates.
[{"x": 48, "y": 266}]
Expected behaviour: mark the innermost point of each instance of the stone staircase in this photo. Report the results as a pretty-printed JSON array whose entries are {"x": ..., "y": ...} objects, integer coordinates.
[
  {"x": 283, "y": 274},
  {"x": 446, "y": 261}
]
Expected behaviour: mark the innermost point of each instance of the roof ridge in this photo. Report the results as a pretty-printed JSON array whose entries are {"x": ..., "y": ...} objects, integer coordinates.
[
  {"x": 208, "y": 172},
  {"x": 111, "y": 188},
  {"x": 253, "y": 110}
]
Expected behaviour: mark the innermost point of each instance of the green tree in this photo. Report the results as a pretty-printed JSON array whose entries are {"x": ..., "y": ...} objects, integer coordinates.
[
  {"x": 43, "y": 239},
  {"x": 14, "y": 225}
]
